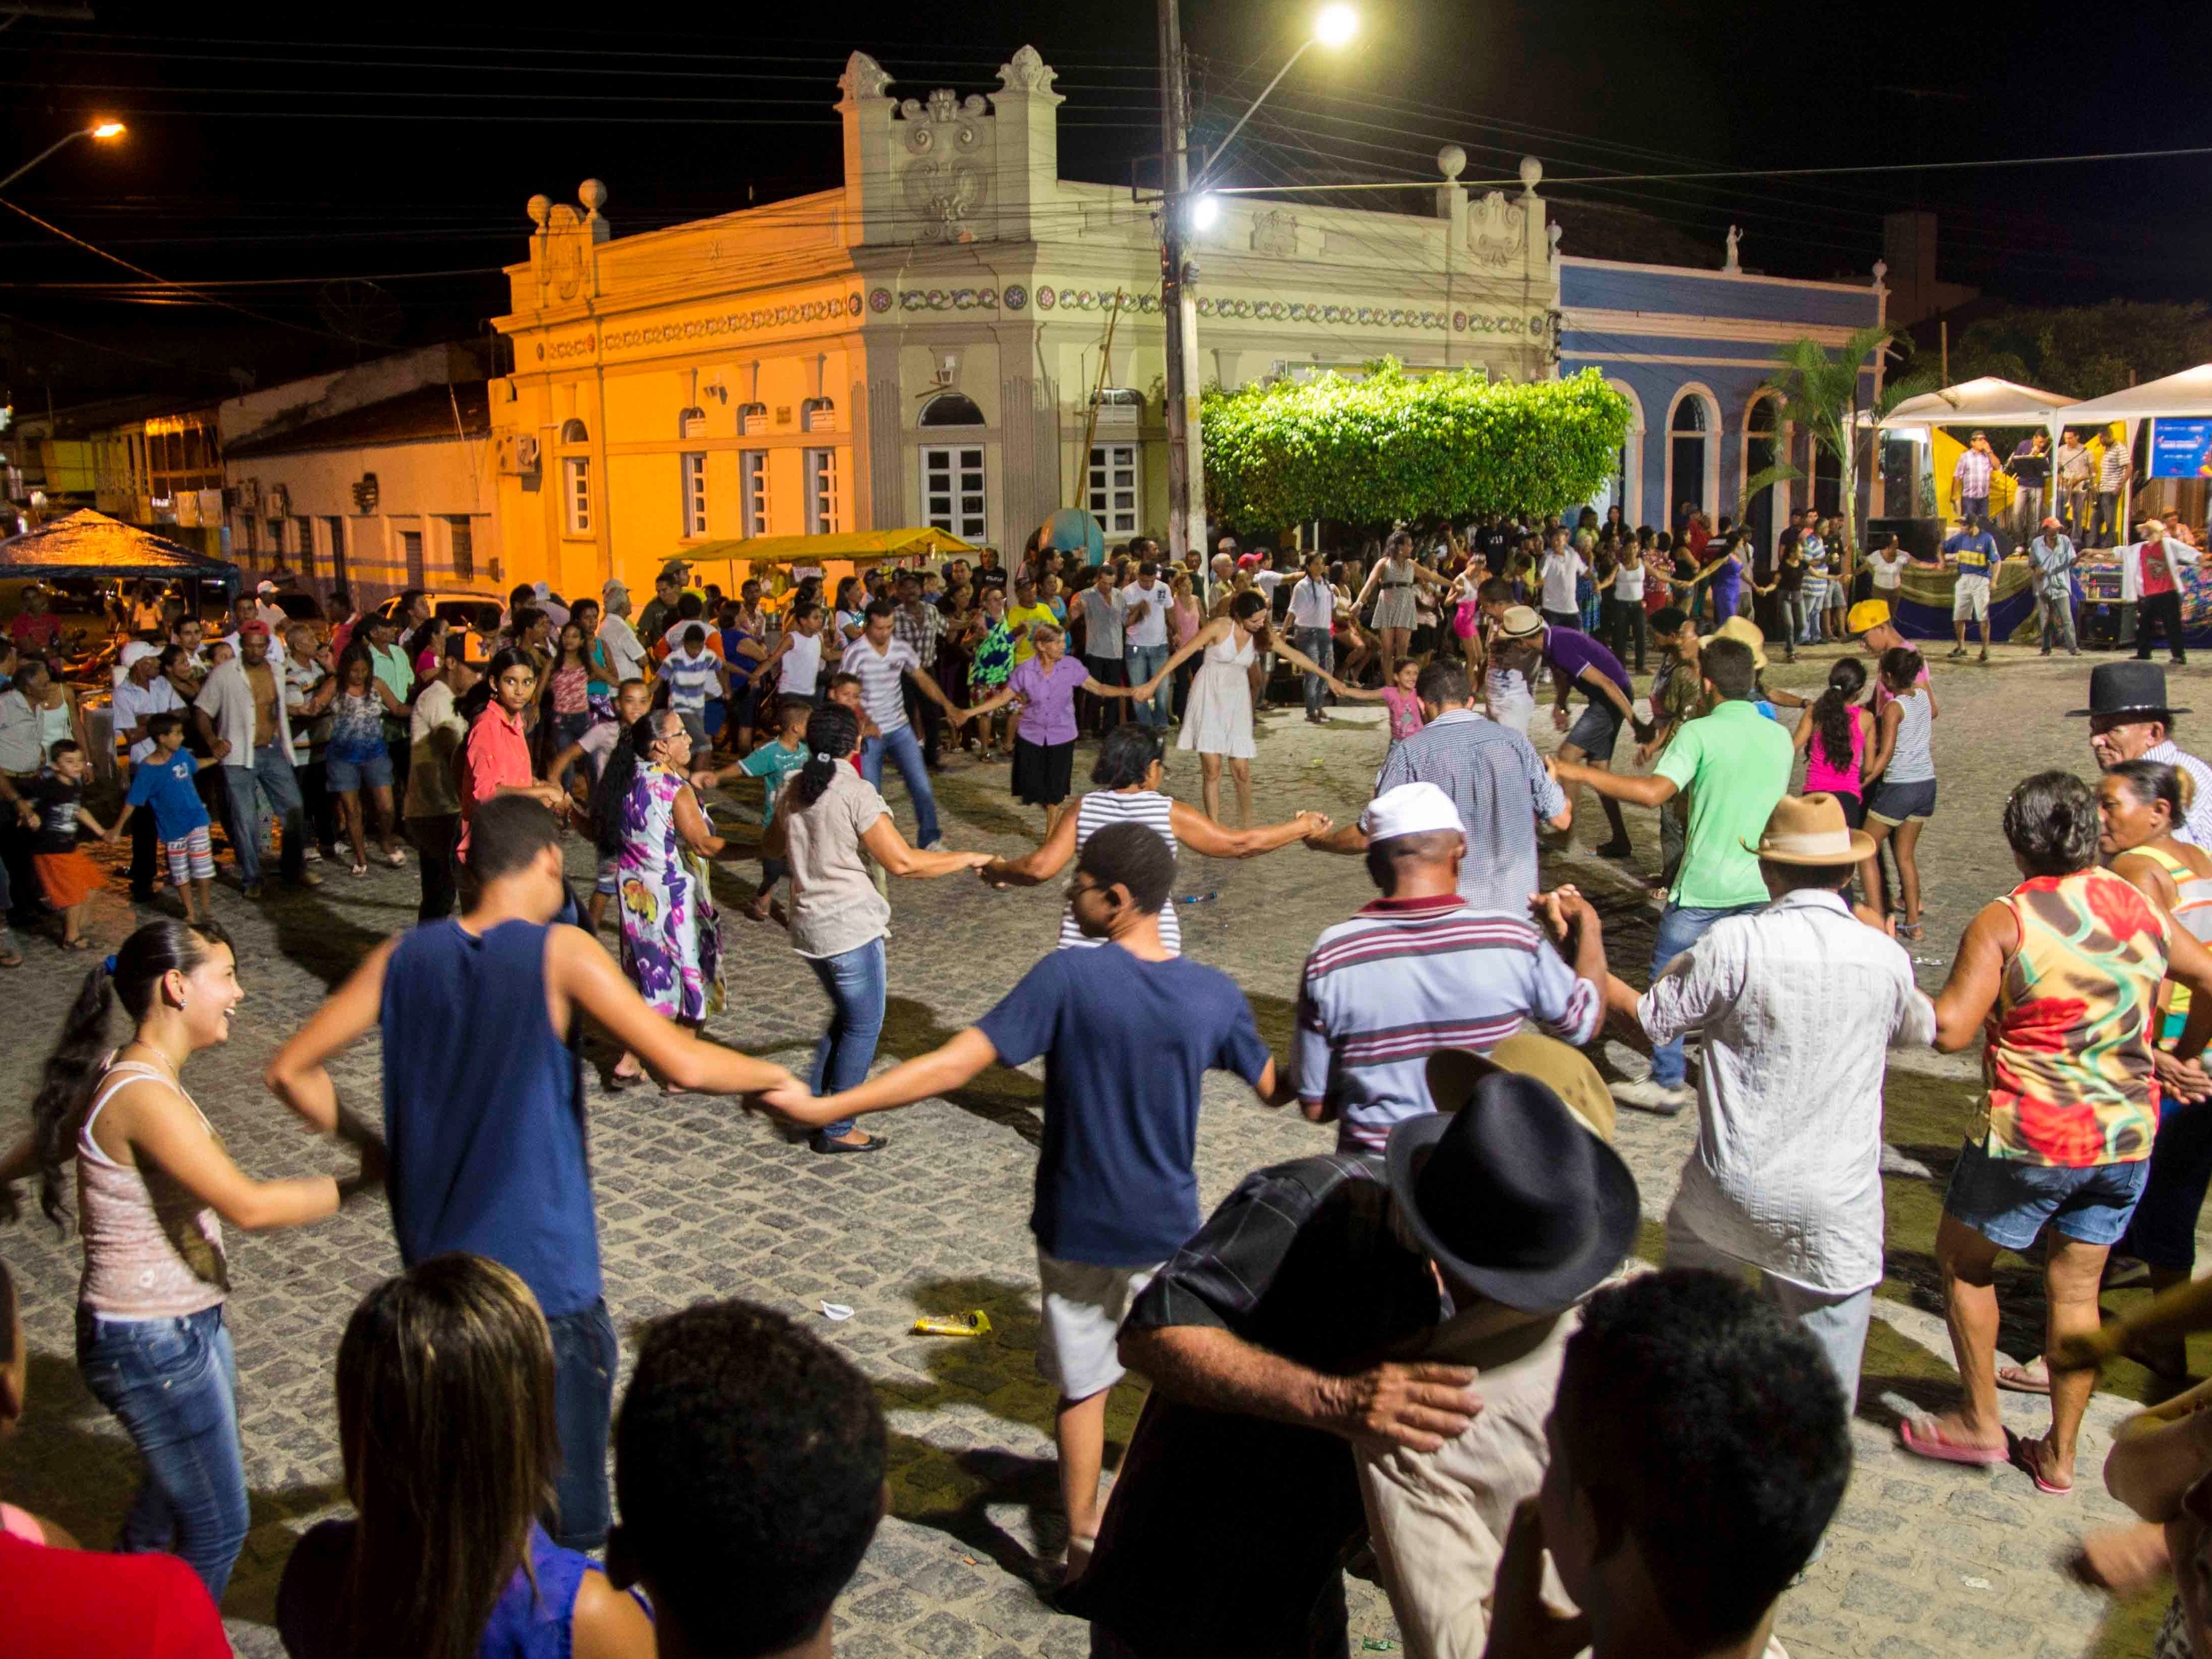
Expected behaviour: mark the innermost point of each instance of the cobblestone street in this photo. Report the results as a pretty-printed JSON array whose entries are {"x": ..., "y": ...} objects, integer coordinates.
[{"x": 697, "y": 1198}]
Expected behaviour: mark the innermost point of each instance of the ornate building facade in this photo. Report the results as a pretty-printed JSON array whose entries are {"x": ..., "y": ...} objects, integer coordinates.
[{"x": 923, "y": 345}]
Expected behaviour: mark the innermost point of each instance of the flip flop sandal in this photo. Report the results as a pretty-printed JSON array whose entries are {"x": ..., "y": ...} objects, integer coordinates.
[
  {"x": 10, "y": 956},
  {"x": 2025, "y": 1461},
  {"x": 360, "y": 869},
  {"x": 2034, "y": 1378},
  {"x": 1925, "y": 1439},
  {"x": 395, "y": 858}
]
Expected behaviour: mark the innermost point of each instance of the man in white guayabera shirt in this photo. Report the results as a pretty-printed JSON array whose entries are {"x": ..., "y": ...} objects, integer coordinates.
[{"x": 1799, "y": 1003}]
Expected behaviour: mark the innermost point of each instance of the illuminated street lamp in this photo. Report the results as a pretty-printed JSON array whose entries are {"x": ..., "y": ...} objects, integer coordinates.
[
  {"x": 103, "y": 130},
  {"x": 1334, "y": 25}
]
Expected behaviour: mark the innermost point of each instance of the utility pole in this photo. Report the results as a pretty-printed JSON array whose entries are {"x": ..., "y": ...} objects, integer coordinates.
[{"x": 1178, "y": 306}]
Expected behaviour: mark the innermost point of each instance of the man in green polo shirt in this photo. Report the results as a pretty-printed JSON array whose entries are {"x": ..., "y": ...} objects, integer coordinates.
[{"x": 1734, "y": 764}]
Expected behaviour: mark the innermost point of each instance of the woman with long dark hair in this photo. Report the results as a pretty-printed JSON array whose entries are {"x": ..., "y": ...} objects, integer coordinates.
[
  {"x": 1218, "y": 721},
  {"x": 496, "y": 754},
  {"x": 154, "y": 1185},
  {"x": 830, "y": 821},
  {"x": 651, "y": 823},
  {"x": 358, "y": 758},
  {"x": 446, "y": 1422},
  {"x": 564, "y": 712}
]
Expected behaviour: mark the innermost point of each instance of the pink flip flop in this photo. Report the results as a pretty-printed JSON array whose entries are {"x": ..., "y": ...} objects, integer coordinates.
[
  {"x": 1925, "y": 1439},
  {"x": 2023, "y": 1459}
]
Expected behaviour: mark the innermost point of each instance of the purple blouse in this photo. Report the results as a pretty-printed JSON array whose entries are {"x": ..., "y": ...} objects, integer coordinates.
[{"x": 1049, "y": 699}]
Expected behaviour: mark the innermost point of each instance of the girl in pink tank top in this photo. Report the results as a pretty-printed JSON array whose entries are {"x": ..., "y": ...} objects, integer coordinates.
[{"x": 1832, "y": 737}]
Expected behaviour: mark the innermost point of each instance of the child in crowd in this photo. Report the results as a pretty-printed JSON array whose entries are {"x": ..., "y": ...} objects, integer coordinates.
[
  {"x": 1507, "y": 697},
  {"x": 632, "y": 699},
  {"x": 1900, "y": 777},
  {"x": 772, "y": 763},
  {"x": 1405, "y": 717},
  {"x": 67, "y": 876},
  {"x": 694, "y": 676},
  {"x": 163, "y": 781}
]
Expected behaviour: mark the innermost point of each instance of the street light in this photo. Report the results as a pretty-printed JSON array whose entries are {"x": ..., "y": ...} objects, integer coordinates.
[
  {"x": 103, "y": 130},
  {"x": 1334, "y": 25}
]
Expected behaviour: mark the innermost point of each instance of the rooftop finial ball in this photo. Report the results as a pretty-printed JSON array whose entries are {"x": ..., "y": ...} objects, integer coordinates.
[
  {"x": 539, "y": 207},
  {"x": 1531, "y": 172},
  {"x": 593, "y": 194},
  {"x": 1451, "y": 160}
]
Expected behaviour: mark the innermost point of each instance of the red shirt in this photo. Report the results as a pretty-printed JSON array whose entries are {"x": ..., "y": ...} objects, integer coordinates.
[
  {"x": 496, "y": 752},
  {"x": 35, "y": 634},
  {"x": 2157, "y": 571},
  {"x": 79, "y": 1604}
]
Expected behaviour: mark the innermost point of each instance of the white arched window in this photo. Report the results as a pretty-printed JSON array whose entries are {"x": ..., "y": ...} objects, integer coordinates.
[
  {"x": 1627, "y": 487},
  {"x": 692, "y": 423},
  {"x": 1763, "y": 441},
  {"x": 751, "y": 418},
  {"x": 818, "y": 415},
  {"x": 572, "y": 432},
  {"x": 952, "y": 409}
]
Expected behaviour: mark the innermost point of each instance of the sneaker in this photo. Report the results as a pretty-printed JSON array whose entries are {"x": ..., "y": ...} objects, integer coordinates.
[
  {"x": 1617, "y": 849},
  {"x": 937, "y": 846},
  {"x": 1956, "y": 652},
  {"x": 313, "y": 855},
  {"x": 252, "y": 889},
  {"x": 1655, "y": 1096},
  {"x": 1636, "y": 1067}
]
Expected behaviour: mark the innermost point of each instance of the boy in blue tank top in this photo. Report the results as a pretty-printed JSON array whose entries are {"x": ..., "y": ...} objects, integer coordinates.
[{"x": 483, "y": 1105}]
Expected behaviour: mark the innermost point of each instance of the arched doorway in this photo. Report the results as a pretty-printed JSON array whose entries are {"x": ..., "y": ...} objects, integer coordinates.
[
  {"x": 1690, "y": 454},
  {"x": 1762, "y": 445}
]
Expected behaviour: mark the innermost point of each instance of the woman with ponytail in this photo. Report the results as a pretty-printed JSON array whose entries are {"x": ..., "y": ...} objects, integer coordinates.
[
  {"x": 830, "y": 821},
  {"x": 154, "y": 1184}
]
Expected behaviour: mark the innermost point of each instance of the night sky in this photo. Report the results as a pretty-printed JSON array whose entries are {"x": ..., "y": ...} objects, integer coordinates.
[{"x": 290, "y": 154}]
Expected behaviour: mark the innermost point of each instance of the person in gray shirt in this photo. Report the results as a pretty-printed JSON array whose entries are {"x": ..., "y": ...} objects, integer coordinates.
[{"x": 1494, "y": 777}]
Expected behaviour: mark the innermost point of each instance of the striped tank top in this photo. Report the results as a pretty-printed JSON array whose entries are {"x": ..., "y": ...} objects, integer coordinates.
[
  {"x": 2192, "y": 909},
  {"x": 1103, "y": 807}
]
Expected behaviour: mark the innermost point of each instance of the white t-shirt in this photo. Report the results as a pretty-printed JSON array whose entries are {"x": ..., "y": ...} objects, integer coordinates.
[
  {"x": 801, "y": 665},
  {"x": 1267, "y": 581},
  {"x": 625, "y": 656},
  {"x": 1889, "y": 572},
  {"x": 1150, "y": 628},
  {"x": 1559, "y": 571},
  {"x": 133, "y": 703},
  {"x": 1628, "y": 582},
  {"x": 1313, "y": 605}
]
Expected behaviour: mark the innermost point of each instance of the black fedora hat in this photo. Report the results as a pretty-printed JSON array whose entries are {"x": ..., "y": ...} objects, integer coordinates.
[
  {"x": 2127, "y": 688},
  {"x": 1511, "y": 1196}
]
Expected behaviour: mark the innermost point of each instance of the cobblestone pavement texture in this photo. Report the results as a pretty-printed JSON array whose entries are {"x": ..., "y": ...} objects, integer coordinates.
[{"x": 697, "y": 1198}]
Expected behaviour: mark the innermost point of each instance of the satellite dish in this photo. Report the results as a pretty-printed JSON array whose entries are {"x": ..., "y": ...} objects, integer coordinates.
[{"x": 360, "y": 311}]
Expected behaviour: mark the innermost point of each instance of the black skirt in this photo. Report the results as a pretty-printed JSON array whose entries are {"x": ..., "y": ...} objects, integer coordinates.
[{"x": 1041, "y": 771}]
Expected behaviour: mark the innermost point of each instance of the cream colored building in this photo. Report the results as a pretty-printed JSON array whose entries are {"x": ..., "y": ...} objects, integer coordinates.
[{"x": 921, "y": 346}]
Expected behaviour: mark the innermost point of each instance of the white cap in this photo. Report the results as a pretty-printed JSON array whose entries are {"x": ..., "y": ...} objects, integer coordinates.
[
  {"x": 136, "y": 652},
  {"x": 543, "y": 590},
  {"x": 1411, "y": 809},
  {"x": 266, "y": 587}
]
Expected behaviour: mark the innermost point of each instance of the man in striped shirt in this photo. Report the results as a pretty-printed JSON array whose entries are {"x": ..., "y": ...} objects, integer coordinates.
[
  {"x": 885, "y": 666},
  {"x": 1420, "y": 970}
]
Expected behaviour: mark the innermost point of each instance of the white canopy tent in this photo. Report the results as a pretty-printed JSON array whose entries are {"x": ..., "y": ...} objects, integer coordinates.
[
  {"x": 1988, "y": 401},
  {"x": 2185, "y": 396}
]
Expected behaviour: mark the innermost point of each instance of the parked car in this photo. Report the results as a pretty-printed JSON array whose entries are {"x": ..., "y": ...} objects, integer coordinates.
[{"x": 476, "y": 614}]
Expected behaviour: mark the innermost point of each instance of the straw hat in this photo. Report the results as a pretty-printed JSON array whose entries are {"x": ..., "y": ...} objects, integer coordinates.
[
  {"x": 1811, "y": 829},
  {"x": 1744, "y": 631}
]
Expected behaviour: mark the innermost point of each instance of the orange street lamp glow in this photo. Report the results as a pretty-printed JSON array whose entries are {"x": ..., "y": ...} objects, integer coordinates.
[{"x": 107, "y": 130}]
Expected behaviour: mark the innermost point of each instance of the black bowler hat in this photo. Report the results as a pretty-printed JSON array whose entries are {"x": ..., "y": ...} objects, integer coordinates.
[
  {"x": 2127, "y": 688},
  {"x": 1511, "y": 1196}
]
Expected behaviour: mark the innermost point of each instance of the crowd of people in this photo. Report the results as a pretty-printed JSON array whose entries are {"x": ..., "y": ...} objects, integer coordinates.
[{"x": 1431, "y": 1339}]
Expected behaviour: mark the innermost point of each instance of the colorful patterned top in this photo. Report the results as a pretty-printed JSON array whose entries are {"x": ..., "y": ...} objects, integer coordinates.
[
  {"x": 2067, "y": 1063},
  {"x": 994, "y": 658},
  {"x": 672, "y": 939}
]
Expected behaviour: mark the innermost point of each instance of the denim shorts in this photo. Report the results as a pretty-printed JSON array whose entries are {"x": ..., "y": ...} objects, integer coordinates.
[
  {"x": 1896, "y": 803},
  {"x": 345, "y": 777},
  {"x": 1595, "y": 730},
  {"x": 2009, "y": 1202}
]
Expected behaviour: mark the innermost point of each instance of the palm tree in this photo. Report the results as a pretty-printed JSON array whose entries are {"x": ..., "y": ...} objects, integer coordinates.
[{"x": 1820, "y": 391}]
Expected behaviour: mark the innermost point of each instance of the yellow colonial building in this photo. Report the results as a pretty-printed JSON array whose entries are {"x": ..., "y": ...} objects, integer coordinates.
[{"x": 921, "y": 346}]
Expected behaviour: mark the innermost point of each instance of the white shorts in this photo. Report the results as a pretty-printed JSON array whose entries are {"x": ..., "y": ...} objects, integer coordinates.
[
  {"x": 1084, "y": 1306},
  {"x": 1970, "y": 599}
]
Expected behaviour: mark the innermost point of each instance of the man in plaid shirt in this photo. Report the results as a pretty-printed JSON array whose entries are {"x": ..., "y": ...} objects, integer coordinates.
[
  {"x": 1970, "y": 478},
  {"x": 921, "y": 626}
]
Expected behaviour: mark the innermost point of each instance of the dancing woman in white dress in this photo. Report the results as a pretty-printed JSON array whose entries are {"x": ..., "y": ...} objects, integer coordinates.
[{"x": 1218, "y": 720}]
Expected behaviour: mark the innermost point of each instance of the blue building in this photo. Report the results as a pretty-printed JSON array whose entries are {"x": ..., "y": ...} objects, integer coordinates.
[{"x": 1690, "y": 350}]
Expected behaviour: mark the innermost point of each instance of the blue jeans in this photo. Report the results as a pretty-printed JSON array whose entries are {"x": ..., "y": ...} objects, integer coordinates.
[
  {"x": 1144, "y": 661},
  {"x": 1679, "y": 929},
  {"x": 172, "y": 1383},
  {"x": 269, "y": 777},
  {"x": 585, "y": 1355},
  {"x": 905, "y": 751},
  {"x": 855, "y": 982},
  {"x": 1317, "y": 643}
]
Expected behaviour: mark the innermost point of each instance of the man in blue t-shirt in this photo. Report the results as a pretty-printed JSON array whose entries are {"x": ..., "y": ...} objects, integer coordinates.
[
  {"x": 1127, "y": 1035},
  {"x": 1579, "y": 663},
  {"x": 1973, "y": 551}
]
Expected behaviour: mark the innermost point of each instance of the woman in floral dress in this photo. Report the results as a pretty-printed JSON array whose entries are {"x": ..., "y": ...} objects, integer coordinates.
[{"x": 651, "y": 825}]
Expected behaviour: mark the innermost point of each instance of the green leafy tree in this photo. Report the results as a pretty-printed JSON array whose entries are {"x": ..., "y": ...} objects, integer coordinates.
[
  {"x": 2084, "y": 351},
  {"x": 1392, "y": 446},
  {"x": 1821, "y": 393}
]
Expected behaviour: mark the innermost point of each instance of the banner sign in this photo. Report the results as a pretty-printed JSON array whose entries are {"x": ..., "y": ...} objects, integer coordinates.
[{"x": 2181, "y": 449}]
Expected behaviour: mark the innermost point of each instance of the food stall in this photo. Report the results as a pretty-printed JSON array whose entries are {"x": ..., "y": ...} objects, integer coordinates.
[
  {"x": 1921, "y": 441},
  {"x": 781, "y": 562},
  {"x": 90, "y": 544}
]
